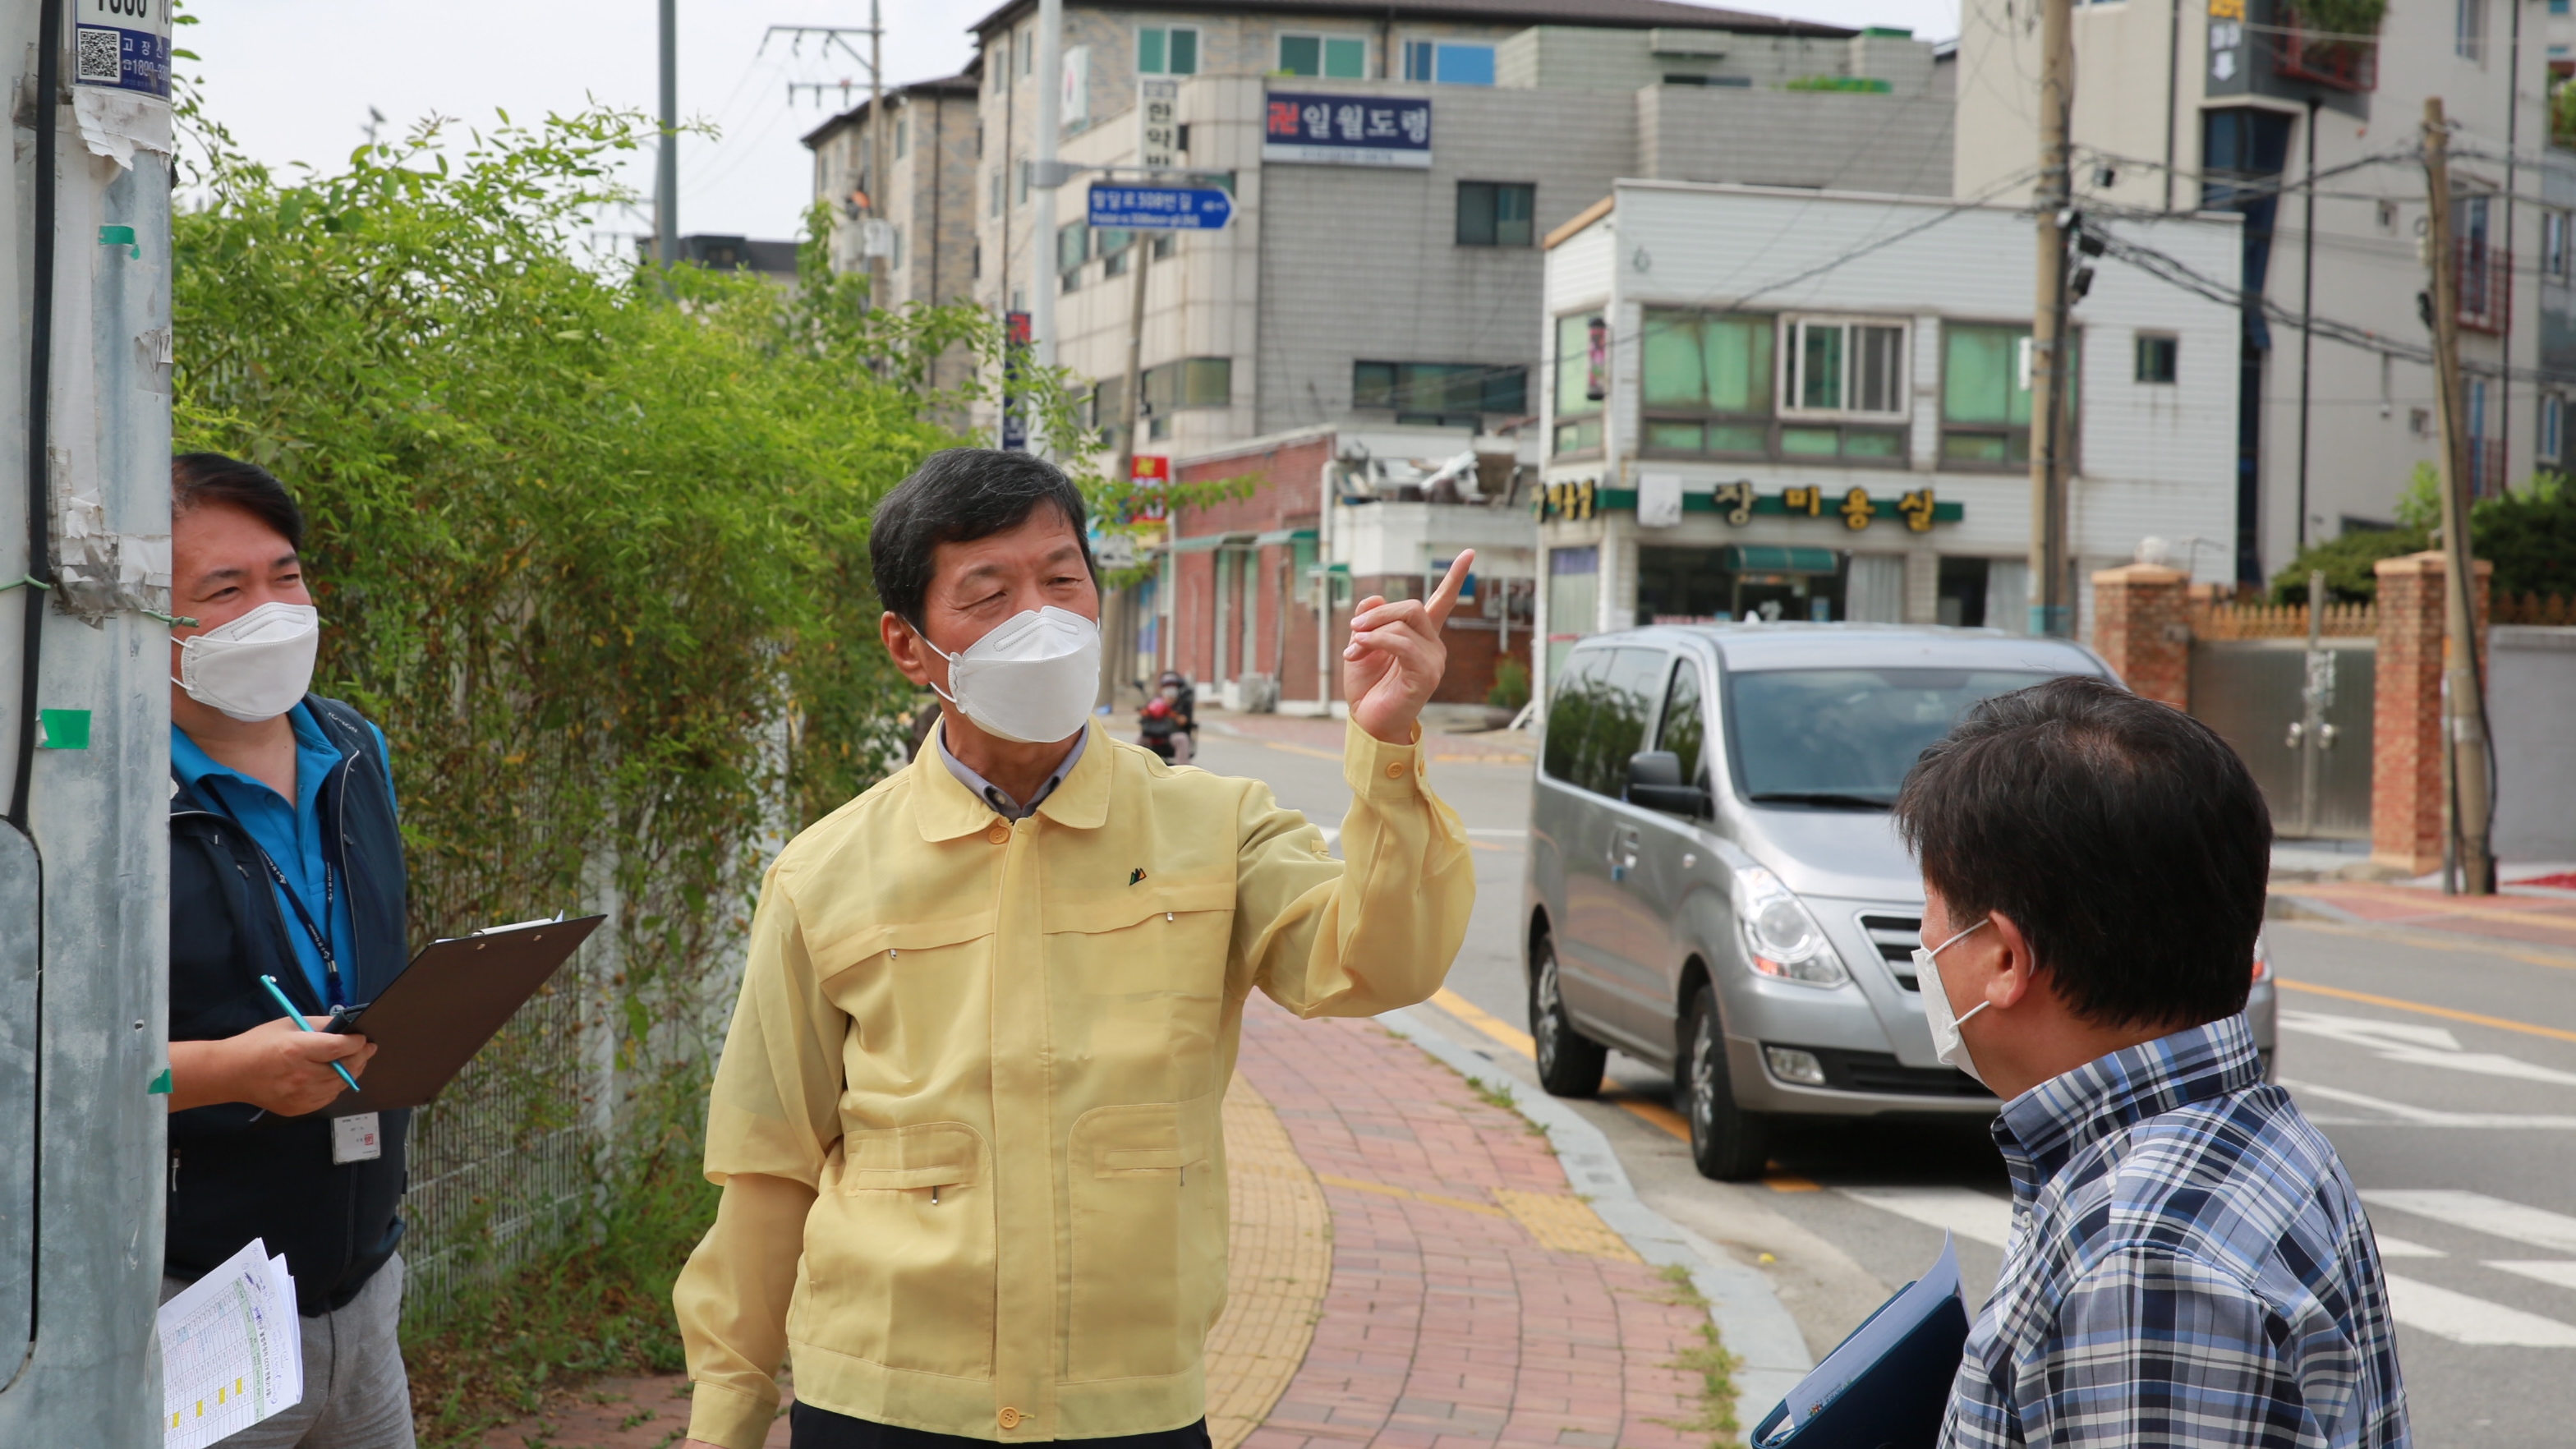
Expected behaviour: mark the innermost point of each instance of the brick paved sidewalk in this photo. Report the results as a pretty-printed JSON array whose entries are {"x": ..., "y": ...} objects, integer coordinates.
[
  {"x": 1460, "y": 1294},
  {"x": 2531, "y": 919}
]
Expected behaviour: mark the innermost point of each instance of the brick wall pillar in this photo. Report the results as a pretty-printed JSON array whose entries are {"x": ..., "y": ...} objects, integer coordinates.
[
  {"x": 2406, "y": 710},
  {"x": 2142, "y": 627}
]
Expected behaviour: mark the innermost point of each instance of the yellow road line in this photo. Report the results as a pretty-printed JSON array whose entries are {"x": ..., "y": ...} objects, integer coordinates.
[
  {"x": 2484, "y": 944},
  {"x": 1301, "y": 749},
  {"x": 1489, "y": 845},
  {"x": 1485, "y": 1021},
  {"x": 2500, "y": 1023}
]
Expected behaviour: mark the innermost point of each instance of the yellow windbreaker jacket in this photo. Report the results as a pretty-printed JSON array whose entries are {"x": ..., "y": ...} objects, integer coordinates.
[{"x": 995, "y": 1053}]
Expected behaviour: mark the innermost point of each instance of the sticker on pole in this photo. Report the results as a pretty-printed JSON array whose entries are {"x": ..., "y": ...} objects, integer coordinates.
[
  {"x": 1160, "y": 208},
  {"x": 124, "y": 44}
]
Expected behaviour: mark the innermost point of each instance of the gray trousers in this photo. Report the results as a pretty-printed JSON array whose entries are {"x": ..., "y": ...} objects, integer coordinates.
[{"x": 356, "y": 1395}]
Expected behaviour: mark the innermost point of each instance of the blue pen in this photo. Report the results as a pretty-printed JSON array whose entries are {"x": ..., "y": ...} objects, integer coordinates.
[{"x": 301, "y": 1024}]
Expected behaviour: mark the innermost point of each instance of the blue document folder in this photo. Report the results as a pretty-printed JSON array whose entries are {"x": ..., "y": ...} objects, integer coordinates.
[{"x": 1888, "y": 1384}]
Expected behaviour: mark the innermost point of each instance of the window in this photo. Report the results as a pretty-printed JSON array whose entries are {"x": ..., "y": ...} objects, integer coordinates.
[
  {"x": 1448, "y": 63},
  {"x": 1338, "y": 57},
  {"x": 1598, "y": 718},
  {"x": 1683, "y": 729},
  {"x": 1192, "y": 382},
  {"x": 1072, "y": 244},
  {"x": 1985, "y": 395},
  {"x": 902, "y": 137},
  {"x": 1573, "y": 599},
  {"x": 2469, "y": 29},
  {"x": 2553, "y": 244},
  {"x": 1167, "y": 50},
  {"x": 1843, "y": 367},
  {"x": 1440, "y": 394},
  {"x": 1706, "y": 382},
  {"x": 1002, "y": 62},
  {"x": 1022, "y": 190},
  {"x": 996, "y": 189},
  {"x": 894, "y": 260},
  {"x": 1496, "y": 213},
  {"x": 1582, "y": 368},
  {"x": 2553, "y": 428},
  {"x": 2156, "y": 357},
  {"x": 1028, "y": 52},
  {"x": 1111, "y": 245}
]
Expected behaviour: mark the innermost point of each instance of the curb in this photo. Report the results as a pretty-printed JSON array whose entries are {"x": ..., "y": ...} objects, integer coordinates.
[{"x": 1771, "y": 1354}]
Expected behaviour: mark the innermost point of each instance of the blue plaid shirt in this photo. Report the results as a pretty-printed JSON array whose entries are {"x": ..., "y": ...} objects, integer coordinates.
[{"x": 2189, "y": 1265}]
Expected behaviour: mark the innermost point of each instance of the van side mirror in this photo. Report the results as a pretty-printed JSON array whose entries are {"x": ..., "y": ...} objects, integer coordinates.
[{"x": 1655, "y": 782}]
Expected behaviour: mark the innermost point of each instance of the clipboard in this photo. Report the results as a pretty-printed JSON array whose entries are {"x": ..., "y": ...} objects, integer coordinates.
[
  {"x": 454, "y": 997},
  {"x": 1888, "y": 1384}
]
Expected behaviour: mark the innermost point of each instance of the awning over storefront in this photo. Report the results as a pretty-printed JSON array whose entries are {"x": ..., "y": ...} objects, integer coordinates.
[
  {"x": 1281, "y": 536},
  {"x": 1203, "y": 542},
  {"x": 1763, "y": 558}
]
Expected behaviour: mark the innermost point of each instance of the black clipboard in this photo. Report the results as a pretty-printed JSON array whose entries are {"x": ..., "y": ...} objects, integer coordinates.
[{"x": 456, "y": 995}]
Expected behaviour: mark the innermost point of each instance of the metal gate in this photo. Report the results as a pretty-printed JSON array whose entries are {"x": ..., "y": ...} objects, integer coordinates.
[{"x": 2300, "y": 717}]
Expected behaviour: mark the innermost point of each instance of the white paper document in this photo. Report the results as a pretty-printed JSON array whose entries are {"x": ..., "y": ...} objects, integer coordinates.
[{"x": 232, "y": 1350}]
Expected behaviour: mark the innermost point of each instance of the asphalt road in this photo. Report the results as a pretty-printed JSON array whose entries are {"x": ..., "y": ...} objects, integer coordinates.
[{"x": 2444, "y": 1070}]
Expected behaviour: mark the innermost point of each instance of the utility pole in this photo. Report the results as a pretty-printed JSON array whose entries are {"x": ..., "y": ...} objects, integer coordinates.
[
  {"x": 880, "y": 160},
  {"x": 2050, "y": 576},
  {"x": 1131, "y": 399},
  {"x": 2464, "y": 722},
  {"x": 1042, "y": 243},
  {"x": 666, "y": 179}
]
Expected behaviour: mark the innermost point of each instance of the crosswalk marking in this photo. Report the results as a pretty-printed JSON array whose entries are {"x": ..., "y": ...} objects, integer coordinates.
[
  {"x": 2422, "y": 1046},
  {"x": 2408, "y": 1114},
  {"x": 1976, "y": 1216},
  {"x": 2557, "y": 1272},
  {"x": 2463, "y": 1319},
  {"x": 2405, "y": 1248},
  {"x": 2480, "y": 1213}
]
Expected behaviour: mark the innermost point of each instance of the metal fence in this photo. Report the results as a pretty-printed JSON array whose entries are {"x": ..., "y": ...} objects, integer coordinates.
[{"x": 2301, "y": 719}]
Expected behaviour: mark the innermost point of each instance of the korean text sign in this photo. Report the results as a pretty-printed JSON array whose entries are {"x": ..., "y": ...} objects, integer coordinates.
[{"x": 1347, "y": 130}]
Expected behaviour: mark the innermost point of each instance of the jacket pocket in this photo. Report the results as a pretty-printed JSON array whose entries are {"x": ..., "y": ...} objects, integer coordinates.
[
  {"x": 1139, "y": 990},
  {"x": 899, "y": 1251},
  {"x": 1147, "y": 1184}
]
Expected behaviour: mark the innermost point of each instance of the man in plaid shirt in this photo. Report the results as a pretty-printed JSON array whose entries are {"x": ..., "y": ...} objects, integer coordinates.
[{"x": 2189, "y": 1262}]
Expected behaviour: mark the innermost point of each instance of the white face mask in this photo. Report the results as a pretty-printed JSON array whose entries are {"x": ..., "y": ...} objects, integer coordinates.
[
  {"x": 1947, "y": 1044},
  {"x": 255, "y": 667},
  {"x": 1032, "y": 679}
]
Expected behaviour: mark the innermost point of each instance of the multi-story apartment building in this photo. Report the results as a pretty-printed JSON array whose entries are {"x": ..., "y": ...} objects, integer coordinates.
[
  {"x": 1393, "y": 167},
  {"x": 2235, "y": 105},
  {"x": 927, "y": 202},
  {"x": 1816, "y": 406}
]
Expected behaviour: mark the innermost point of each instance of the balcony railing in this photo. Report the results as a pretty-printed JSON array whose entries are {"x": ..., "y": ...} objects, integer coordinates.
[
  {"x": 2347, "y": 63},
  {"x": 2483, "y": 276}
]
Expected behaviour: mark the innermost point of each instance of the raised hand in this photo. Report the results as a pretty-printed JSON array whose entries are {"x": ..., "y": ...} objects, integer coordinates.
[{"x": 1395, "y": 658}]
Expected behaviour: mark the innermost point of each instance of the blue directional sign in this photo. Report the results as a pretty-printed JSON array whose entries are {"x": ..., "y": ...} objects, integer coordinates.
[{"x": 1160, "y": 208}]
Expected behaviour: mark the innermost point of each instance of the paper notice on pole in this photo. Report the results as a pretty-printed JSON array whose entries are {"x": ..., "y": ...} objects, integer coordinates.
[{"x": 232, "y": 1350}]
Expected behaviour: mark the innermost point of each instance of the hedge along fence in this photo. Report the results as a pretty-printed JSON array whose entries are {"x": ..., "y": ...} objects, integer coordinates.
[{"x": 593, "y": 554}]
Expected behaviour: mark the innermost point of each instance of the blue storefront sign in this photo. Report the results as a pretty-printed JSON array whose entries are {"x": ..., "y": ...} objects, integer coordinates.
[
  {"x": 1347, "y": 130},
  {"x": 1160, "y": 208}
]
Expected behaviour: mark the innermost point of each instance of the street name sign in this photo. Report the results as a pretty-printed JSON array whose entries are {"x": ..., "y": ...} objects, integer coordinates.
[{"x": 1160, "y": 208}]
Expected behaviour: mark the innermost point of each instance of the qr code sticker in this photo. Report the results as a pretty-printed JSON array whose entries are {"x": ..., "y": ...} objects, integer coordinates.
[{"x": 101, "y": 57}]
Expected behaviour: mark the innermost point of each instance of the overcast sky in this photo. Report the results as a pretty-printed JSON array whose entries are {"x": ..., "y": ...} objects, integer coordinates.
[{"x": 294, "y": 79}]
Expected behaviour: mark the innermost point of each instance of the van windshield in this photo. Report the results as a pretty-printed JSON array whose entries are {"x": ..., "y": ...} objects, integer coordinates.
[{"x": 1844, "y": 738}]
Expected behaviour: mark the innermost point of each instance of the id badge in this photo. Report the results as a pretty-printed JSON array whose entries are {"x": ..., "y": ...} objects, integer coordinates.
[{"x": 354, "y": 1139}]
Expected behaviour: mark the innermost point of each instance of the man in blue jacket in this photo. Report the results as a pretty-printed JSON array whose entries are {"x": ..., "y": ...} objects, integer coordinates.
[{"x": 285, "y": 861}]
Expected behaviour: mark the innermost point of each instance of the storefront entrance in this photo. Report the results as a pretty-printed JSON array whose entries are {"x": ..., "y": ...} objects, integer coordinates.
[{"x": 1738, "y": 581}]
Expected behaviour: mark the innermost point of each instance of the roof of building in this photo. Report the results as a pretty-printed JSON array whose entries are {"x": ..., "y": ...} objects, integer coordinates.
[
  {"x": 1609, "y": 14},
  {"x": 962, "y": 84}
]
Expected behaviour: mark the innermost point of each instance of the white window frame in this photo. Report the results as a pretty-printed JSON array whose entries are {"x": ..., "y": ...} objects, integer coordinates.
[
  {"x": 1323, "y": 40},
  {"x": 2553, "y": 243},
  {"x": 2553, "y": 429},
  {"x": 1789, "y": 365},
  {"x": 1198, "y": 45}
]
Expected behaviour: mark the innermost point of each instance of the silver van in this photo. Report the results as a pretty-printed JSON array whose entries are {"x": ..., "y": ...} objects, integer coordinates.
[{"x": 1715, "y": 884}]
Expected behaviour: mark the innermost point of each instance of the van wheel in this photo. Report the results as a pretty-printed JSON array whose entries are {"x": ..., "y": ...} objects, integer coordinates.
[
  {"x": 1727, "y": 1143},
  {"x": 1569, "y": 1063}
]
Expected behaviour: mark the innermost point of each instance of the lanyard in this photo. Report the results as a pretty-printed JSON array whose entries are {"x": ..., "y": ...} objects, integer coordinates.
[{"x": 338, "y": 995}]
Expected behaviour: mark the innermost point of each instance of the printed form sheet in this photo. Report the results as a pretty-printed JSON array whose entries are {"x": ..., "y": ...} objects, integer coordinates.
[{"x": 232, "y": 1350}]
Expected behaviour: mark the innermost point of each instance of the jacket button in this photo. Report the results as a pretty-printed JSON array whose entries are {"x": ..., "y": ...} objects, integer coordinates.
[
  {"x": 1009, "y": 1418},
  {"x": 1395, "y": 772},
  {"x": 1000, "y": 834}
]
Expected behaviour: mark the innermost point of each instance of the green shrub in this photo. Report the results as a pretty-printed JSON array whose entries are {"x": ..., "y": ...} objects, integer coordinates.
[
  {"x": 1511, "y": 684},
  {"x": 2528, "y": 533}
]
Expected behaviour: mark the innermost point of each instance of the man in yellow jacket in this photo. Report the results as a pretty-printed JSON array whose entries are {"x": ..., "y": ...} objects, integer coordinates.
[{"x": 966, "y": 1120}]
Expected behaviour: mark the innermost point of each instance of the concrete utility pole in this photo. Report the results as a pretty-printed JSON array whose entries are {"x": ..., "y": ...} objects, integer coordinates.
[
  {"x": 1042, "y": 243},
  {"x": 2464, "y": 726},
  {"x": 2051, "y": 579},
  {"x": 880, "y": 158},
  {"x": 1132, "y": 400},
  {"x": 84, "y": 736},
  {"x": 666, "y": 178}
]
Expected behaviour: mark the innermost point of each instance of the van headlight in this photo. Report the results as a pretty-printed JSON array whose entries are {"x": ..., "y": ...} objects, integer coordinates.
[{"x": 1781, "y": 937}]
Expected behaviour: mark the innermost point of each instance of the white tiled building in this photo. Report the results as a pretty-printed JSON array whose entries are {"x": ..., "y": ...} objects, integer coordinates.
[{"x": 1855, "y": 368}]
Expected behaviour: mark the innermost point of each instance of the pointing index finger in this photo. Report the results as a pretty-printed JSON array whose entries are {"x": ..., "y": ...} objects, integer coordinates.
[{"x": 1445, "y": 598}]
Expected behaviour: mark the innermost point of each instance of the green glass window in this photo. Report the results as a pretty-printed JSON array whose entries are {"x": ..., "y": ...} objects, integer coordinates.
[
  {"x": 1705, "y": 362},
  {"x": 1985, "y": 395},
  {"x": 1337, "y": 57},
  {"x": 1574, "y": 375}
]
